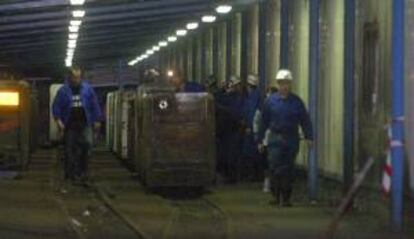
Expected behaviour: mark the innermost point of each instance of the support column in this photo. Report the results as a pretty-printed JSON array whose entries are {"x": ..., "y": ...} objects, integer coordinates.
[
  {"x": 194, "y": 58},
  {"x": 397, "y": 150},
  {"x": 313, "y": 94},
  {"x": 284, "y": 34},
  {"x": 120, "y": 75},
  {"x": 262, "y": 47},
  {"x": 244, "y": 38},
  {"x": 215, "y": 50},
  {"x": 229, "y": 48},
  {"x": 203, "y": 69},
  {"x": 349, "y": 53}
]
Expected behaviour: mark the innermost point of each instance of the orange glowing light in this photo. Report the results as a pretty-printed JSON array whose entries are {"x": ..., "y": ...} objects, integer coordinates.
[{"x": 9, "y": 98}]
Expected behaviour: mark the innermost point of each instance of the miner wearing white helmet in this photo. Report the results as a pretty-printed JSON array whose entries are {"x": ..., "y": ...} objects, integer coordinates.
[{"x": 283, "y": 113}]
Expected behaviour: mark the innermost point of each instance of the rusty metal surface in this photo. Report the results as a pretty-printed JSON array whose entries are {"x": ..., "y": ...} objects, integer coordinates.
[{"x": 175, "y": 138}]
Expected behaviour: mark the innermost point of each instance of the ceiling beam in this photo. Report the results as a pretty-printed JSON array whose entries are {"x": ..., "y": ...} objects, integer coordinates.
[
  {"x": 107, "y": 19},
  {"x": 32, "y": 4},
  {"x": 98, "y": 10}
]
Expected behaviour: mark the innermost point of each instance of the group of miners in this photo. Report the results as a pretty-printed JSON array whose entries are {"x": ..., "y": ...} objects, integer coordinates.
[{"x": 254, "y": 140}]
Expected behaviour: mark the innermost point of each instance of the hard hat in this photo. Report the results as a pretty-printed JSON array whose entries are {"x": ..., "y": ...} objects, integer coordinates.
[
  {"x": 212, "y": 80},
  {"x": 253, "y": 80},
  {"x": 234, "y": 80},
  {"x": 284, "y": 74}
]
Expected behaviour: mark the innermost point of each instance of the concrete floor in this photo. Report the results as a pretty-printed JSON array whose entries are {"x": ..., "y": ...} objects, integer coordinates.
[{"x": 41, "y": 205}]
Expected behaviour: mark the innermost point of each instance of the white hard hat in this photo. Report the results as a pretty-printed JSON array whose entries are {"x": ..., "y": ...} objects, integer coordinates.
[
  {"x": 234, "y": 80},
  {"x": 253, "y": 80},
  {"x": 284, "y": 74}
]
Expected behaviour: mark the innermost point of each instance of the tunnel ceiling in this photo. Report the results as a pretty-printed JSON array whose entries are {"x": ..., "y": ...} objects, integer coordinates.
[{"x": 33, "y": 33}]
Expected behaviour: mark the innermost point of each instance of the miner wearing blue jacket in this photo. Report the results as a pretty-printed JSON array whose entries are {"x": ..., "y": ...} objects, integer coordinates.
[
  {"x": 251, "y": 104},
  {"x": 283, "y": 113},
  {"x": 76, "y": 110},
  {"x": 233, "y": 104}
]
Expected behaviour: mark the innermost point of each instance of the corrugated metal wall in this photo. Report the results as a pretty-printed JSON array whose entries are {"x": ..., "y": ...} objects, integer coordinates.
[
  {"x": 372, "y": 82},
  {"x": 208, "y": 35},
  {"x": 197, "y": 54},
  {"x": 253, "y": 40},
  {"x": 299, "y": 56},
  {"x": 331, "y": 88},
  {"x": 222, "y": 48},
  {"x": 236, "y": 44},
  {"x": 189, "y": 50},
  {"x": 409, "y": 88},
  {"x": 273, "y": 39}
]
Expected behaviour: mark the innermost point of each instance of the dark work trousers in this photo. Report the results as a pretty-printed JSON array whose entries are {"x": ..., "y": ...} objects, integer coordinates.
[
  {"x": 233, "y": 144},
  {"x": 251, "y": 165},
  {"x": 78, "y": 144},
  {"x": 282, "y": 153}
]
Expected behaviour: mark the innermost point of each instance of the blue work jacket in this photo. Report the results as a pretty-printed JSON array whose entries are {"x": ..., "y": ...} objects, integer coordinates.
[
  {"x": 250, "y": 107},
  {"x": 62, "y": 104},
  {"x": 193, "y": 87},
  {"x": 284, "y": 116}
]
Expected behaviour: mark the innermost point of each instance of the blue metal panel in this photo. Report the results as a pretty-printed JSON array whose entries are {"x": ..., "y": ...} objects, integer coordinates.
[
  {"x": 397, "y": 151},
  {"x": 262, "y": 47},
  {"x": 284, "y": 34},
  {"x": 348, "y": 168},
  {"x": 313, "y": 93}
]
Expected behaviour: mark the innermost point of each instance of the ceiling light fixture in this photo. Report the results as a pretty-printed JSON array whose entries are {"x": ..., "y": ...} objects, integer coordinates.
[
  {"x": 73, "y": 36},
  {"x": 224, "y": 9},
  {"x": 172, "y": 39},
  {"x": 150, "y": 52},
  {"x": 181, "y": 32},
  {"x": 192, "y": 25},
  {"x": 163, "y": 44},
  {"x": 73, "y": 29},
  {"x": 75, "y": 22},
  {"x": 208, "y": 18},
  {"x": 72, "y": 42},
  {"x": 77, "y": 2},
  {"x": 71, "y": 45},
  {"x": 78, "y": 13},
  {"x": 133, "y": 62}
]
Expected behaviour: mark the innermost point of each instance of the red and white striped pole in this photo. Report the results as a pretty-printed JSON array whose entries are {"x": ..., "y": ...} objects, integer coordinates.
[{"x": 387, "y": 174}]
